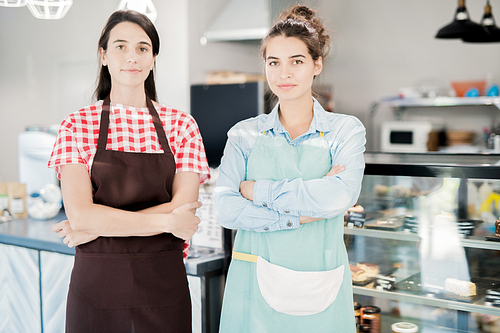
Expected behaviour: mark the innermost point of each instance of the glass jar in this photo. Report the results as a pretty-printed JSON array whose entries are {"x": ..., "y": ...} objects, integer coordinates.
[
  {"x": 357, "y": 316},
  {"x": 370, "y": 318}
]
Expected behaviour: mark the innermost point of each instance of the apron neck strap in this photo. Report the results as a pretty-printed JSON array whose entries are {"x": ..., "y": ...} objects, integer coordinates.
[
  {"x": 160, "y": 132},
  {"x": 104, "y": 126}
]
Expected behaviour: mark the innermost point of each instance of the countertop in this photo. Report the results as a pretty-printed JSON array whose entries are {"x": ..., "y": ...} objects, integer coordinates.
[{"x": 36, "y": 235}]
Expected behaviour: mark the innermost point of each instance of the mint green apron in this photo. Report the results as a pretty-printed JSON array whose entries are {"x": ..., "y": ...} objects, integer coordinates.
[{"x": 314, "y": 249}]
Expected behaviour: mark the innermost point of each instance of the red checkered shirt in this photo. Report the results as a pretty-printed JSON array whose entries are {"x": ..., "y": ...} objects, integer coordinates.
[{"x": 131, "y": 129}]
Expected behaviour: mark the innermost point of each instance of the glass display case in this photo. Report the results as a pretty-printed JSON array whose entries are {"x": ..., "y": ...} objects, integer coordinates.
[{"x": 423, "y": 248}]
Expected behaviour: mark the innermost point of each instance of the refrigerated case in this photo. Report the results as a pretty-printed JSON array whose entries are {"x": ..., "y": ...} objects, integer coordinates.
[{"x": 429, "y": 229}]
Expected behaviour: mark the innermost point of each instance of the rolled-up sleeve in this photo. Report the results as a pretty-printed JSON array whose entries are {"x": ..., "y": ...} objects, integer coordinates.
[
  {"x": 232, "y": 210},
  {"x": 326, "y": 197}
]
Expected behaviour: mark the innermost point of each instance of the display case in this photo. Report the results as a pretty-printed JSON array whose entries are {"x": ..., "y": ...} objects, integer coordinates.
[
  {"x": 401, "y": 108},
  {"x": 426, "y": 244}
]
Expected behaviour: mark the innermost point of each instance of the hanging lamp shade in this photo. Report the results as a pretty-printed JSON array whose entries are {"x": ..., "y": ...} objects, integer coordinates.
[
  {"x": 145, "y": 7},
  {"x": 461, "y": 26},
  {"x": 12, "y": 3},
  {"x": 490, "y": 32},
  {"x": 49, "y": 9}
]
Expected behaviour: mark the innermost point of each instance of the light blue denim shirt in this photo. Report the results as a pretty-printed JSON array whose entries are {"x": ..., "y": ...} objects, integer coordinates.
[{"x": 277, "y": 205}]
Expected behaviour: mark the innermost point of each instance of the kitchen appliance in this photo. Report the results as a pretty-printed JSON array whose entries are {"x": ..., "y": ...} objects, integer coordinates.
[
  {"x": 34, "y": 152},
  {"x": 404, "y": 136},
  {"x": 218, "y": 107}
]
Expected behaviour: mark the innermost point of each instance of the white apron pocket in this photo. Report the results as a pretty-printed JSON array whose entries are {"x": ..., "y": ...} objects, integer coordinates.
[{"x": 298, "y": 293}]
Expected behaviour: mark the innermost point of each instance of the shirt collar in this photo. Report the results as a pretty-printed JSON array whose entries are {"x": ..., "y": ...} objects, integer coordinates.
[{"x": 319, "y": 123}]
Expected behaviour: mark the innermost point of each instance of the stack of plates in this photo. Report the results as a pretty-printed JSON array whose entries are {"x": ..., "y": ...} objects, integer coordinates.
[
  {"x": 465, "y": 227},
  {"x": 492, "y": 297},
  {"x": 410, "y": 223}
]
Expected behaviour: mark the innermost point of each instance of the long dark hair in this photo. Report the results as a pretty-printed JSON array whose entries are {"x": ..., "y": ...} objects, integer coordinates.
[{"x": 104, "y": 80}]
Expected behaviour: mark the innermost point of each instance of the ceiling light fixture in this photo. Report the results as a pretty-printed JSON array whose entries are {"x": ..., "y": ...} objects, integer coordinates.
[
  {"x": 49, "y": 9},
  {"x": 461, "y": 26},
  {"x": 490, "y": 32},
  {"x": 12, "y": 3},
  {"x": 145, "y": 7}
]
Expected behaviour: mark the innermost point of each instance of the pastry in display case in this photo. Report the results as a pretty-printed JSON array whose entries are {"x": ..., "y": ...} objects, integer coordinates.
[{"x": 429, "y": 239}]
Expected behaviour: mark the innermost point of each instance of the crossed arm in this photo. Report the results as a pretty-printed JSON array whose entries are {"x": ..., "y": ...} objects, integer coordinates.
[
  {"x": 246, "y": 190},
  {"x": 87, "y": 220},
  {"x": 267, "y": 205}
]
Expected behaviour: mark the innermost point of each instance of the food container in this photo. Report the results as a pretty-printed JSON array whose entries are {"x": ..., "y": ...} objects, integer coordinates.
[
  {"x": 456, "y": 138},
  {"x": 404, "y": 327},
  {"x": 461, "y": 87},
  {"x": 357, "y": 316},
  {"x": 370, "y": 318}
]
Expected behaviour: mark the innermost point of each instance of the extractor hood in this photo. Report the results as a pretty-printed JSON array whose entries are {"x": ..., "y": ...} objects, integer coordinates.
[{"x": 242, "y": 20}]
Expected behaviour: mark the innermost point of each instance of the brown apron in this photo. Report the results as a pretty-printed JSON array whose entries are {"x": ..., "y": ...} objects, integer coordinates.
[{"x": 130, "y": 284}]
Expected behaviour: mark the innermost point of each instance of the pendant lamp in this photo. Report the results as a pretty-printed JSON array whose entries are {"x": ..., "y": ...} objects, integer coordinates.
[
  {"x": 49, "y": 9},
  {"x": 12, "y": 3},
  {"x": 145, "y": 7},
  {"x": 461, "y": 26},
  {"x": 490, "y": 32}
]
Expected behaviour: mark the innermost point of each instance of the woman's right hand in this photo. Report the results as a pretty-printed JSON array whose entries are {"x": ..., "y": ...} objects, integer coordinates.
[
  {"x": 335, "y": 170},
  {"x": 184, "y": 222},
  {"x": 70, "y": 237}
]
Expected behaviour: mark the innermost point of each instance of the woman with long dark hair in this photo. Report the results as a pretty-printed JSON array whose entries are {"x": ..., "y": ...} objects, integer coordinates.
[{"x": 130, "y": 171}]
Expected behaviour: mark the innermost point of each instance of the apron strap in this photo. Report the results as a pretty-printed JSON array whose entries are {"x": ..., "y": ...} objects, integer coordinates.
[
  {"x": 245, "y": 256},
  {"x": 160, "y": 132},
  {"x": 104, "y": 125}
]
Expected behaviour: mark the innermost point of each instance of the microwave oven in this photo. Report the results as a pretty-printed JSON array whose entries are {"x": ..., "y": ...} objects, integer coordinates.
[{"x": 404, "y": 136}]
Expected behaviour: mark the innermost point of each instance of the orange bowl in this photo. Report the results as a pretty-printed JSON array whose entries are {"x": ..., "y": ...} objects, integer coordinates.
[{"x": 461, "y": 87}]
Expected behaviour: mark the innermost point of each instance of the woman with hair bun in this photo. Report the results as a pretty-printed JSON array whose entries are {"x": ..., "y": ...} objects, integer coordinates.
[{"x": 285, "y": 181}]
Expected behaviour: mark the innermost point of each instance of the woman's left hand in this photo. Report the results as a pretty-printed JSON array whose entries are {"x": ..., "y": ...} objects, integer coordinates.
[
  {"x": 70, "y": 237},
  {"x": 246, "y": 189}
]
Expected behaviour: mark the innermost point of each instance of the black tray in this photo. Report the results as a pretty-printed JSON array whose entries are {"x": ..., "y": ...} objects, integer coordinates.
[
  {"x": 482, "y": 284},
  {"x": 493, "y": 238}
]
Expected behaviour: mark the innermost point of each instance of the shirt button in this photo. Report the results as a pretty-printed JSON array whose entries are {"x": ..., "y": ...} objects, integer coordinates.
[
  {"x": 264, "y": 204},
  {"x": 266, "y": 229},
  {"x": 287, "y": 211},
  {"x": 289, "y": 224}
]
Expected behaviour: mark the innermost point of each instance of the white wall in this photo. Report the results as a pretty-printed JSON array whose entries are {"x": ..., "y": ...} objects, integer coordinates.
[
  {"x": 48, "y": 68},
  {"x": 386, "y": 44},
  {"x": 377, "y": 47}
]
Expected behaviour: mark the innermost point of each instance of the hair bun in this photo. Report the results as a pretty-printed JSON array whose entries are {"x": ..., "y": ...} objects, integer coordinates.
[
  {"x": 301, "y": 12},
  {"x": 300, "y": 21}
]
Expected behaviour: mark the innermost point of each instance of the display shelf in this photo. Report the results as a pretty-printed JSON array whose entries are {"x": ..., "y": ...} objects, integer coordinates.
[
  {"x": 412, "y": 237},
  {"x": 440, "y": 101},
  {"x": 399, "y": 105},
  {"x": 423, "y": 300}
]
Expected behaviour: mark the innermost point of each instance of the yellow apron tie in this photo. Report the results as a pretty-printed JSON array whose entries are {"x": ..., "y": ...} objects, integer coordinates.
[{"x": 244, "y": 256}]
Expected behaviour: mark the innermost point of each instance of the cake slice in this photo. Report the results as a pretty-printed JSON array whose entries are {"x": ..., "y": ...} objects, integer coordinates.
[
  {"x": 370, "y": 269},
  {"x": 357, "y": 274},
  {"x": 459, "y": 287}
]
